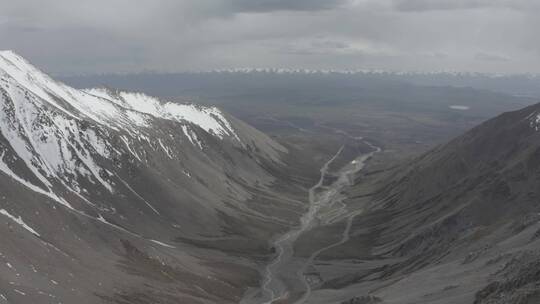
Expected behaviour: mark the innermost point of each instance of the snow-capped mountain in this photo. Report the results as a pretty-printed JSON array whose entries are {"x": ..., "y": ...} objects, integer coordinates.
[{"x": 104, "y": 193}]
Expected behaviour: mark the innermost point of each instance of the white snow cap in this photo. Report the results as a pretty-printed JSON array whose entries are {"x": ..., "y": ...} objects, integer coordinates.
[
  {"x": 117, "y": 110},
  {"x": 534, "y": 120}
]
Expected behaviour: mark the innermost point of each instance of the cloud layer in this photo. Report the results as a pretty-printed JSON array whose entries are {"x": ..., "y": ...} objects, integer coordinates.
[{"x": 102, "y": 36}]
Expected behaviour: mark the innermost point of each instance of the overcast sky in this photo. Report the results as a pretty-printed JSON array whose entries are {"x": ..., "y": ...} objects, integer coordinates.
[{"x": 103, "y": 36}]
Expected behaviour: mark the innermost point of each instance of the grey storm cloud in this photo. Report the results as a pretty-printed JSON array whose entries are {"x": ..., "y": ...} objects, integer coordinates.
[
  {"x": 285, "y": 5},
  {"x": 427, "y": 5},
  {"x": 490, "y": 57},
  {"x": 102, "y": 36}
]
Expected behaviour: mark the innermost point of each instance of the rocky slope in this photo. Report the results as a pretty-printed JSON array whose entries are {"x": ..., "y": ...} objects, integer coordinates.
[
  {"x": 459, "y": 224},
  {"x": 111, "y": 196}
]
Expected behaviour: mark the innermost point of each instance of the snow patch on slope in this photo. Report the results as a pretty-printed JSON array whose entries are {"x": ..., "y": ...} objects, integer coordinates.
[
  {"x": 459, "y": 107},
  {"x": 192, "y": 136},
  {"x": 19, "y": 221},
  {"x": 534, "y": 121},
  {"x": 162, "y": 244},
  {"x": 6, "y": 170}
]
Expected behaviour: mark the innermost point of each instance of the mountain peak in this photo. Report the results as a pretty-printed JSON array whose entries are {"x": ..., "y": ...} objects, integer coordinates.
[
  {"x": 116, "y": 110},
  {"x": 11, "y": 61},
  {"x": 9, "y": 53}
]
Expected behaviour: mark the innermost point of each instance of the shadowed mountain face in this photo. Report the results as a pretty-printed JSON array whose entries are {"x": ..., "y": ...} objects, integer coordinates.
[
  {"x": 459, "y": 224},
  {"x": 110, "y": 196}
]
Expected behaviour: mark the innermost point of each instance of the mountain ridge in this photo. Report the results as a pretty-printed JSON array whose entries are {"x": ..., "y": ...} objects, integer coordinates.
[
  {"x": 110, "y": 193},
  {"x": 457, "y": 224}
]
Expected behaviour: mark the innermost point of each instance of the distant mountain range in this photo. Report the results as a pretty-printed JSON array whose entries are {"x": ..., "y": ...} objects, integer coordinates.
[{"x": 175, "y": 84}]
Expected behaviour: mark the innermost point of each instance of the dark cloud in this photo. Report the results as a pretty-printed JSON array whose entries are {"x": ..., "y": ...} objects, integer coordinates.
[
  {"x": 430, "y": 5},
  {"x": 284, "y": 5},
  {"x": 318, "y": 47},
  {"x": 491, "y": 57},
  {"x": 100, "y": 36}
]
